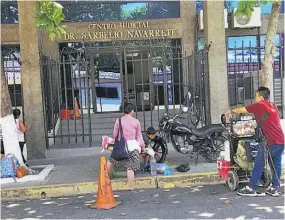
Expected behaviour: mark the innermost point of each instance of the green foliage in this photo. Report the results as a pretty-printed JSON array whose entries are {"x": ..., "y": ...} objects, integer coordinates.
[
  {"x": 139, "y": 12},
  {"x": 247, "y": 7},
  {"x": 49, "y": 17}
]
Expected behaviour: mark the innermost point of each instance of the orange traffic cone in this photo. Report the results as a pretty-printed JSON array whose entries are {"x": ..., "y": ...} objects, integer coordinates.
[
  {"x": 76, "y": 112},
  {"x": 105, "y": 195}
]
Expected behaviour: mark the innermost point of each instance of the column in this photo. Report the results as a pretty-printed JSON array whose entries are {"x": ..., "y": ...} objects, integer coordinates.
[
  {"x": 188, "y": 18},
  {"x": 214, "y": 30},
  {"x": 188, "y": 21},
  {"x": 31, "y": 80}
]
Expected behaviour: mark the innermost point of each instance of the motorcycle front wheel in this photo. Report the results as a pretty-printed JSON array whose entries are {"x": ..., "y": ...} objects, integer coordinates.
[
  {"x": 219, "y": 143},
  {"x": 160, "y": 150}
]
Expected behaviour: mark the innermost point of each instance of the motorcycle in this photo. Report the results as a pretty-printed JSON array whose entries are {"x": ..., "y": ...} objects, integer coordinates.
[{"x": 207, "y": 141}]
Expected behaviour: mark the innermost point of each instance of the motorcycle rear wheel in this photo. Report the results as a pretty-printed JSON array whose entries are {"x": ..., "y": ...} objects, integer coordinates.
[{"x": 219, "y": 142}]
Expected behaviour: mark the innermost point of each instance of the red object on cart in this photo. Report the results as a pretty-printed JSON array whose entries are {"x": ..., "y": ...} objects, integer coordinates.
[
  {"x": 223, "y": 168},
  {"x": 65, "y": 114}
]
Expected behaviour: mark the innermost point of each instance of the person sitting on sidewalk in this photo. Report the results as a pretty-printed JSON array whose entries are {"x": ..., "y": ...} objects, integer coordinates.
[
  {"x": 148, "y": 137},
  {"x": 132, "y": 134},
  {"x": 274, "y": 135}
]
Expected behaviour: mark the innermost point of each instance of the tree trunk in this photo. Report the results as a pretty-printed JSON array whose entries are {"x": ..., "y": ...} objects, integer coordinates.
[
  {"x": 7, "y": 121},
  {"x": 269, "y": 52}
]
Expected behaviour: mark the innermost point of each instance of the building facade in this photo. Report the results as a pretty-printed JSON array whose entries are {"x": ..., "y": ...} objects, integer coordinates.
[{"x": 144, "y": 52}]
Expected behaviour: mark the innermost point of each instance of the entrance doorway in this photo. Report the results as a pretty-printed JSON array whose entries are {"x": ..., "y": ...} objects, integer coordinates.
[
  {"x": 106, "y": 79},
  {"x": 119, "y": 76}
]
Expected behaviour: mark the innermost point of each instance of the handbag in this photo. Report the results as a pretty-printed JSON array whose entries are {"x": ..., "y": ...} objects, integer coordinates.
[
  {"x": 9, "y": 166},
  {"x": 21, "y": 172},
  {"x": 120, "y": 151}
]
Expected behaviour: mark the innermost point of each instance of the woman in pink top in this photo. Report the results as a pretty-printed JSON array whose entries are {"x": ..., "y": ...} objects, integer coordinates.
[{"x": 133, "y": 137}]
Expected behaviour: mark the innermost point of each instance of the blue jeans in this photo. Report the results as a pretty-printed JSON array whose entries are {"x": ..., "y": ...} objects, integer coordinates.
[{"x": 259, "y": 163}]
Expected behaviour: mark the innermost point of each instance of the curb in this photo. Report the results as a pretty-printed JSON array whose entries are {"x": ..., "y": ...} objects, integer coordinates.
[
  {"x": 188, "y": 180},
  {"x": 72, "y": 189}
]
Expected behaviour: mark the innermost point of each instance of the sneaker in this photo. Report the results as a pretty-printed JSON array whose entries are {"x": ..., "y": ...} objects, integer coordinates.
[
  {"x": 247, "y": 191},
  {"x": 272, "y": 191}
]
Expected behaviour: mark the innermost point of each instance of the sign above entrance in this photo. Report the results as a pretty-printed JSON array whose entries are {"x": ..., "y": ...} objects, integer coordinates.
[{"x": 119, "y": 31}]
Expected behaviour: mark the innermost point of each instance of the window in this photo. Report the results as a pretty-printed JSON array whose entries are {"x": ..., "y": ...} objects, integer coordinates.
[
  {"x": 133, "y": 11},
  {"x": 127, "y": 10},
  {"x": 89, "y": 11},
  {"x": 107, "y": 92},
  {"x": 9, "y": 12},
  {"x": 242, "y": 49},
  {"x": 15, "y": 92},
  {"x": 167, "y": 9},
  {"x": 276, "y": 40},
  {"x": 242, "y": 41}
]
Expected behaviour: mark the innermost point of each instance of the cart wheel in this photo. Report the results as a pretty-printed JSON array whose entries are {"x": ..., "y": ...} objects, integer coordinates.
[
  {"x": 233, "y": 181},
  {"x": 266, "y": 178}
]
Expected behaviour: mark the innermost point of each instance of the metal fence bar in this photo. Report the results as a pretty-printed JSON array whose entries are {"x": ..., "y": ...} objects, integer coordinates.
[
  {"x": 14, "y": 76},
  {"x": 179, "y": 79},
  {"x": 80, "y": 101},
  {"x": 142, "y": 93},
  {"x": 43, "y": 103},
  {"x": 73, "y": 97},
  {"x": 51, "y": 99},
  {"x": 172, "y": 83},
  {"x": 65, "y": 95},
  {"x": 150, "y": 69},
  {"x": 59, "y": 90},
  {"x": 89, "y": 106},
  {"x": 135, "y": 85}
]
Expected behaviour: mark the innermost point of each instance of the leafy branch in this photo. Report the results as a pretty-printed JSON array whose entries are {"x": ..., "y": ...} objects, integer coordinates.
[
  {"x": 247, "y": 7},
  {"x": 49, "y": 17}
]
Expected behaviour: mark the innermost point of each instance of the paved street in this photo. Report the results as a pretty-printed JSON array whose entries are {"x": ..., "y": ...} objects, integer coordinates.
[{"x": 199, "y": 202}]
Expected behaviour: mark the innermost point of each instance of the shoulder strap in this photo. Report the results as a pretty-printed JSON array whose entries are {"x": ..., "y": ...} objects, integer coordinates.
[{"x": 121, "y": 127}]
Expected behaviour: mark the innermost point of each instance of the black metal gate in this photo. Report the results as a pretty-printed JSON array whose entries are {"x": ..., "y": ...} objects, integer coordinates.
[
  {"x": 244, "y": 69},
  {"x": 155, "y": 78}
]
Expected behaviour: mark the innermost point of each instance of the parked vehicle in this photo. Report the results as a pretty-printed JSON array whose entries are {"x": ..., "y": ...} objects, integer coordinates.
[{"x": 207, "y": 141}]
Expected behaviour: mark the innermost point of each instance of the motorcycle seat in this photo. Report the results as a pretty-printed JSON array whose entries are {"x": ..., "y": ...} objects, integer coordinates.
[{"x": 202, "y": 132}]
